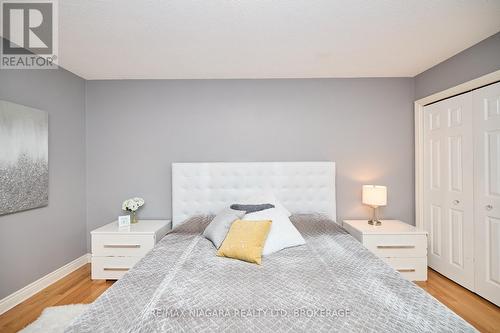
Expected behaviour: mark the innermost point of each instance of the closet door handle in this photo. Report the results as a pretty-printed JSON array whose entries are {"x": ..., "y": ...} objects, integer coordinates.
[
  {"x": 456, "y": 202},
  {"x": 406, "y": 270},
  {"x": 489, "y": 207},
  {"x": 115, "y": 269}
]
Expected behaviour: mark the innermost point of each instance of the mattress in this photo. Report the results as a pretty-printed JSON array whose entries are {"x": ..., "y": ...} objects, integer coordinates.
[{"x": 330, "y": 284}]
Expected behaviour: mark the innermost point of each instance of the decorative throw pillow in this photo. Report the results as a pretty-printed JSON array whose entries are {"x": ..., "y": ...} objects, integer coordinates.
[
  {"x": 270, "y": 198},
  {"x": 217, "y": 230},
  {"x": 283, "y": 233},
  {"x": 251, "y": 208},
  {"x": 245, "y": 241}
]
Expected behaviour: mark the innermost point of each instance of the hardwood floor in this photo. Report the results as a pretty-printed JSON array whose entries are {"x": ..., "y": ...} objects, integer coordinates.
[
  {"x": 77, "y": 287},
  {"x": 483, "y": 315}
]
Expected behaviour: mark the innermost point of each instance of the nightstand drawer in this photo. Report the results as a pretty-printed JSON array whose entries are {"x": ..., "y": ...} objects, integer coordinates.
[
  {"x": 412, "y": 246},
  {"x": 413, "y": 269},
  {"x": 112, "y": 268},
  {"x": 122, "y": 245}
]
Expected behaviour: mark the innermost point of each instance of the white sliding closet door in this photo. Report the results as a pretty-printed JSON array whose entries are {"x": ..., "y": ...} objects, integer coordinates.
[
  {"x": 487, "y": 194},
  {"x": 448, "y": 188}
]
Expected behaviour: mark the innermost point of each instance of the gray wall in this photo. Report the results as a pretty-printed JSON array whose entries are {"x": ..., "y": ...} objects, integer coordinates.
[
  {"x": 476, "y": 61},
  {"x": 36, "y": 242},
  {"x": 135, "y": 129}
]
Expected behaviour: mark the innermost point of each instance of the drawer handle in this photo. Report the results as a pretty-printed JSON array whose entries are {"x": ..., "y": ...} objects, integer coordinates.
[
  {"x": 403, "y": 270},
  {"x": 396, "y": 246},
  {"x": 122, "y": 246},
  {"x": 116, "y": 269}
]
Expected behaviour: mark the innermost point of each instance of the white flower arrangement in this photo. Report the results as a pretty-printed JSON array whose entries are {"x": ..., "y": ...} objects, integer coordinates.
[{"x": 133, "y": 204}]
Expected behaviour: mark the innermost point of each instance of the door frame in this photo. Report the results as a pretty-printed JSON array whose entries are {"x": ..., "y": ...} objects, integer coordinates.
[{"x": 419, "y": 131}]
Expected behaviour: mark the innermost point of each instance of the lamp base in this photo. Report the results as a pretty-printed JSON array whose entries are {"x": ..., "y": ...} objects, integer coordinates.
[{"x": 374, "y": 222}]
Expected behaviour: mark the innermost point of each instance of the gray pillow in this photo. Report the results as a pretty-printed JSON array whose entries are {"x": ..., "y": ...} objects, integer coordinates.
[
  {"x": 217, "y": 230},
  {"x": 251, "y": 208}
]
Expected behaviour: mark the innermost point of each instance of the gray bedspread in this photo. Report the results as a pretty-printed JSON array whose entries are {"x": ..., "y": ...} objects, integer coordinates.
[{"x": 330, "y": 284}]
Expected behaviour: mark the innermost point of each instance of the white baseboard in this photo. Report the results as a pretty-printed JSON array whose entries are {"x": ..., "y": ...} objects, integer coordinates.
[{"x": 23, "y": 294}]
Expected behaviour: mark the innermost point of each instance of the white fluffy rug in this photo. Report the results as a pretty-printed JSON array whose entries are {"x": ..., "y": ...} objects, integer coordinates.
[{"x": 55, "y": 319}]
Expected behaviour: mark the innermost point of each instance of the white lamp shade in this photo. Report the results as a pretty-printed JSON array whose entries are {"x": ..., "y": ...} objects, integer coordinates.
[{"x": 374, "y": 195}]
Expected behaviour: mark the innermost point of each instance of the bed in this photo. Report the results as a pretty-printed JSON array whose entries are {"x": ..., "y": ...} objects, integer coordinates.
[{"x": 330, "y": 284}]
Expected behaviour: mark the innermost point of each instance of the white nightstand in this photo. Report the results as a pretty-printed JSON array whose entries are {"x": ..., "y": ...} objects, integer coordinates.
[
  {"x": 115, "y": 250},
  {"x": 401, "y": 245}
]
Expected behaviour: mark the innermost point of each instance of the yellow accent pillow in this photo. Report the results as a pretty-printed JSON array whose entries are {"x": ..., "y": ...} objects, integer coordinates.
[{"x": 245, "y": 240}]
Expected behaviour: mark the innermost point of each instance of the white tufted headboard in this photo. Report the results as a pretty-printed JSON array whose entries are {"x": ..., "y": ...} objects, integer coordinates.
[{"x": 206, "y": 188}]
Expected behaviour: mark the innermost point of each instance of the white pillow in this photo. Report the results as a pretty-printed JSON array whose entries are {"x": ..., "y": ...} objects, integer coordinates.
[
  {"x": 283, "y": 233},
  {"x": 270, "y": 198}
]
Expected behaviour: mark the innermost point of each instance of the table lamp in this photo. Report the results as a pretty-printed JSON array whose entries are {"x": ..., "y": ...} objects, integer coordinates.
[{"x": 374, "y": 196}]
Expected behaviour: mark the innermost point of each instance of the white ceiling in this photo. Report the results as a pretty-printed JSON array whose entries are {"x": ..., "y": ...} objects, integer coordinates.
[{"x": 184, "y": 39}]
